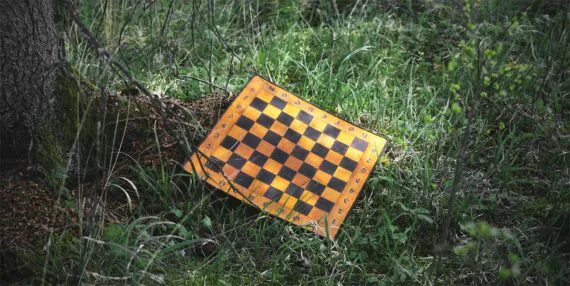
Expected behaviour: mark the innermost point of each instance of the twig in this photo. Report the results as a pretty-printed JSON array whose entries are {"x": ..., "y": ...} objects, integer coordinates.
[
  {"x": 211, "y": 84},
  {"x": 459, "y": 163},
  {"x": 106, "y": 56},
  {"x": 120, "y": 69},
  {"x": 167, "y": 18},
  {"x": 213, "y": 28},
  {"x": 129, "y": 18},
  {"x": 550, "y": 64},
  {"x": 457, "y": 175},
  {"x": 61, "y": 187},
  {"x": 210, "y": 64}
]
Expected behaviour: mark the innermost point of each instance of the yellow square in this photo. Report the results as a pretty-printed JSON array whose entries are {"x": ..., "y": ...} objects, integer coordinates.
[
  {"x": 252, "y": 113},
  {"x": 229, "y": 171},
  {"x": 280, "y": 183},
  {"x": 342, "y": 174},
  {"x": 319, "y": 125},
  {"x": 265, "y": 148},
  {"x": 309, "y": 198},
  {"x": 272, "y": 167},
  {"x": 264, "y": 180},
  {"x": 271, "y": 111},
  {"x": 334, "y": 158},
  {"x": 221, "y": 153},
  {"x": 291, "y": 110},
  {"x": 314, "y": 160},
  {"x": 237, "y": 133},
  {"x": 306, "y": 143},
  {"x": 286, "y": 146},
  {"x": 318, "y": 215},
  {"x": 293, "y": 163},
  {"x": 243, "y": 150},
  {"x": 326, "y": 141},
  {"x": 288, "y": 201},
  {"x": 353, "y": 154},
  {"x": 298, "y": 126},
  {"x": 259, "y": 188},
  {"x": 345, "y": 138},
  {"x": 301, "y": 180},
  {"x": 265, "y": 96},
  {"x": 279, "y": 128},
  {"x": 258, "y": 130},
  {"x": 251, "y": 169},
  {"x": 322, "y": 177},
  {"x": 330, "y": 194}
]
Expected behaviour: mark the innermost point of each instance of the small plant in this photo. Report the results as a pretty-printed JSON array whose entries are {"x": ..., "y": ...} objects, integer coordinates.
[{"x": 490, "y": 251}]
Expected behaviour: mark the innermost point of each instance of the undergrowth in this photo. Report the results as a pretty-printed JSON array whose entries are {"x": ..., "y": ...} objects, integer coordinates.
[{"x": 425, "y": 74}]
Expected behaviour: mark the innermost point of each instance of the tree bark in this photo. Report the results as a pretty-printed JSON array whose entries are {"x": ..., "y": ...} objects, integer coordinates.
[{"x": 29, "y": 60}]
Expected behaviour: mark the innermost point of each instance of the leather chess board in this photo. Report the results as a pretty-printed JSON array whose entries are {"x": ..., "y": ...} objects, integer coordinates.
[{"x": 287, "y": 157}]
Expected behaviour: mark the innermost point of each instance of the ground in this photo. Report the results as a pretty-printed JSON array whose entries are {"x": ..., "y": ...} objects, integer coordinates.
[{"x": 473, "y": 189}]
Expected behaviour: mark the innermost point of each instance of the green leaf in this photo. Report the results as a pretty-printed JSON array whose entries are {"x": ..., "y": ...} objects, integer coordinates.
[
  {"x": 504, "y": 274},
  {"x": 184, "y": 71},
  {"x": 452, "y": 65},
  {"x": 501, "y": 125},
  {"x": 363, "y": 255},
  {"x": 113, "y": 233},
  {"x": 421, "y": 211},
  {"x": 469, "y": 228},
  {"x": 400, "y": 237},
  {"x": 461, "y": 250},
  {"x": 207, "y": 222},
  {"x": 425, "y": 218},
  {"x": 454, "y": 87},
  {"x": 514, "y": 259},
  {"x": 183, "y": 231},
  {"x": 177, "y": 212},
  {"x": 372, "y": 279},
  {"x": 455, "y": 107},
  {"x": 484, "y": 229},
  {"x": 403, "y": 207}
]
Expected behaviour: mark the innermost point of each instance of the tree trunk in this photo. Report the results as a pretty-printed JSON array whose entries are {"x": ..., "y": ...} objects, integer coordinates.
[{"x": 29, "y": 59}]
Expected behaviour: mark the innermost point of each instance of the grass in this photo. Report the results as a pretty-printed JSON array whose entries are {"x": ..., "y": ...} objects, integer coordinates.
[{"x": 423, "y": 74}]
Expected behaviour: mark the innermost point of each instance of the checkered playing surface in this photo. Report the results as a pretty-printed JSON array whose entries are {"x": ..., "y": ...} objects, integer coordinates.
[{"x": 288, "y": 157}]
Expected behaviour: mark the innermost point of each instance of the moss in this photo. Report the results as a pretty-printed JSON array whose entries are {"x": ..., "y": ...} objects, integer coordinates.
[
  {"x": 59, "y": 135},
  {"x": 79, "y": 107}
]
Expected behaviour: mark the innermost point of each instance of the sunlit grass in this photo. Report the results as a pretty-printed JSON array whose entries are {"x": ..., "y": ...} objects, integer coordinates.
[{"x": 409, "y": 75}]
